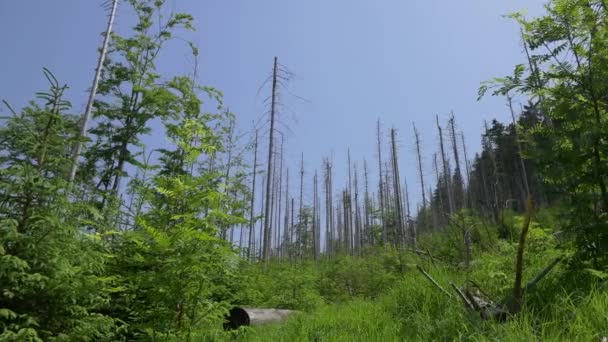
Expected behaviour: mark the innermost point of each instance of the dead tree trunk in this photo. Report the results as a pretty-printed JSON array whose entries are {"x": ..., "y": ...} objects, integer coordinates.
[
  {"x": 519, "y": 149},
  {"x": 300, "y": 213},
  {"x": 89, "y": 108},
  {"x": 252, "y": 204},
  {"x": 315, "y": 219},
  {"x": 440, "y": 208},
  {"x": 329, "y": 224},
  {"x": 349, "y": 189},
  {"x": 468, "y": 168},
  {"x": 420, "y": 166},
  {"x": 397, "y": 191},
  {"x": 267, "y": 218},
  {"x": 357, "y": 212},
  {"x": 263, "y": 209},
  {"x": 496, "y": 187},
  {"x": 458, "y": 180},
  {"x": 287, "y": 229},
  {"x": 380, "y": 187},
  {"x": 366, "y": 207},
  {"x": 446, "y": 169},
  {"x": 410, "y": 223},
  {"x": 279, "y": 203}
]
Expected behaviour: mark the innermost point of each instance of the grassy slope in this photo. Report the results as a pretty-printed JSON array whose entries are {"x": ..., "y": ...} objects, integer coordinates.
[{"x": 382, "y": 297}]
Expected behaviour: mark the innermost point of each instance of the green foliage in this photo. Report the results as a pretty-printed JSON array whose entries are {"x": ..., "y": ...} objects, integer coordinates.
[
  {"x": 47, "y": 269},
  {"x": 78, "y": 262},
  {"x": 564, "y": 77}
]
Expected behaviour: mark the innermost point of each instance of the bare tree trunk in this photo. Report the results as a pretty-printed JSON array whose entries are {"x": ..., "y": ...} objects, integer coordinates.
[
  {"x": 292, "y": 228},
  {"x": 446, "y": 169},
  {"x": 357, "y": 212},
  {"x": 347, "y": 228},
  {"x": 397, "y": 191},
  {"x": 417, "y": 136},
  {"x": 380, "y": 187},
  {"x": 263, "y": 208},
  {"x": 349, "y": 189},
  {"x": 410, "y": 224},
  {"x": 299, "y": 232},
  {"x": 287, "y": 230},
  {"x": 367, "y": 239},
  {"x": 496, "y": 187},
  {"x": 519, "y": 149},
  {"x": 388, "y": 201},
  {"x": 468, "y": 168},
  {"x": 440, "y": 208},
  {"x": 267, "y": 218},
  {"x": 458, "y": 187},
  {"x": 340, "y": 225},
  {"x": 329, "y": 224},
  {"x": 279, "y": 203},
  {"x": 273, "y": 201},
  {"x": 84, "y": 121},
  {"x": 315, "y": 249}
]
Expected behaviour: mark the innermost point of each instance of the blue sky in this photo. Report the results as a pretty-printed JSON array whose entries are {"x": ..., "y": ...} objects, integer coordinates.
[{"x": 354, "y": 61}]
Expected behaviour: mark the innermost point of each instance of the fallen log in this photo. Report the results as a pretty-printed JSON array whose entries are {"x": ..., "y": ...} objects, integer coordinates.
[{"x": 240, "y": 316}]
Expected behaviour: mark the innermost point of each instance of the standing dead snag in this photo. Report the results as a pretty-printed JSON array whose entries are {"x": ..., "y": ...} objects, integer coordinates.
[
  {"x": 458, "y": 191},
  {"x": 252, "y": 204},
  {"x": 286, "y": 228},
  {"x": 446, "y": 169},
  {"x": 87, "y": 113},
  {"x": 315, "y": 218},
  {"x": 267, "y": 218},
  {"x": 416, "y": 135},
  {"x": 329, "y": 221},
  {"x": 524, "y": 174},
  {"x": 468, "y": 170},
  {"x": 380, "y": 187},
  {"x": 397, "y": 190}
]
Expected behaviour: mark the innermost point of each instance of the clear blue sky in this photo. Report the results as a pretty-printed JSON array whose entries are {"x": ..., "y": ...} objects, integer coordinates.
[{"x": 354, "y": 60}]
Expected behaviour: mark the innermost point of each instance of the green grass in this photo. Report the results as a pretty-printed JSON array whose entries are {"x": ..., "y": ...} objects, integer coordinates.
[
  {"x": 415, "y": 312},
  {"x": 383, "y": 297}
]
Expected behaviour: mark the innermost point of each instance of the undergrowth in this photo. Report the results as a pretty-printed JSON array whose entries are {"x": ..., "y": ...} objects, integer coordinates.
[{"x": 383, "y": 297}]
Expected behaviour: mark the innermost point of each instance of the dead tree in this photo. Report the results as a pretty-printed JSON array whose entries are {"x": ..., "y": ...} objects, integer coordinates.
[
  {"x": 524, "y": 174},
  {"x": 446, "y": 169},
  {"x": 397, "y": 191},
  {"x": 329, "y": 222},
  {"x": 273, "y": 200},
  {"x": 280, "y": 201},
  {"x": 497, "y": 190},
  {"x": 301, "y": 211},
  {"x": 315, "y": 250},
  {"x": 468, "y": 169},
  {"x": 366, "y": 207},
  {"x": 287, "y": 229},
  {"x": 417, "y": 137},
  {"x": 267, "y": 218},
  {"x": 440, "y": 206},
  {"x": 349, "y": 189},
  {"x": 458, "y": 180},
  {"x": 410, "y": 223},
  {"x": 357, "y": 244},
  {"x": 252, "y": 204},
  {"x": 263, "y": 208},
  {"x": 89, "y": 108},
  {"x": 380, "y": 187}
]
